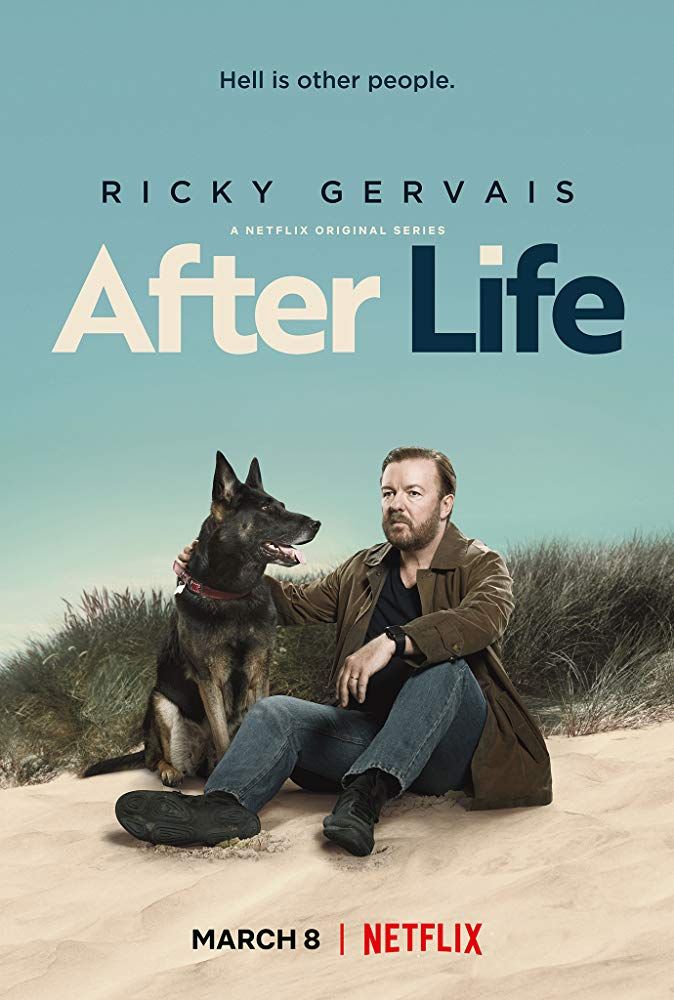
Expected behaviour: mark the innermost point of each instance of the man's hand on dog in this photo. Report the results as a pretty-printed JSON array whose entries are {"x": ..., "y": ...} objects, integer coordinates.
[
  {"x": 187, "y": 552},
  {"x": 359, "y": 667}
]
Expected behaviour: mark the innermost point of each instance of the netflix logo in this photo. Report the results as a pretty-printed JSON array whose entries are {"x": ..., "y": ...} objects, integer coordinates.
[{"x": 386, "y": 938}]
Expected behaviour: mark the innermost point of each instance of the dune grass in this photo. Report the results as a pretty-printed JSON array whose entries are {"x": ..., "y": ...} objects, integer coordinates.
[{"x": 590, "y": 646}]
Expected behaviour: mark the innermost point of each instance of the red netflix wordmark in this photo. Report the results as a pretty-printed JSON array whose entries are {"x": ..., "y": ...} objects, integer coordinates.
[{"x": 390, "y": 937}]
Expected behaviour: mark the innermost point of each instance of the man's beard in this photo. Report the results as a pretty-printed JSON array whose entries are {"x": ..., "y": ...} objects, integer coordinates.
[{"x": 417, "y": 537}]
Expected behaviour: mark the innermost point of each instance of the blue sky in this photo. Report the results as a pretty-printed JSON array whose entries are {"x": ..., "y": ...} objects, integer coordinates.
[{"x": 109, "y": 455}]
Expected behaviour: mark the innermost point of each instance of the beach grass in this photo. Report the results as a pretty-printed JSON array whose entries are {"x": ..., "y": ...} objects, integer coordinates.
[{"x": 590, "y": 647}]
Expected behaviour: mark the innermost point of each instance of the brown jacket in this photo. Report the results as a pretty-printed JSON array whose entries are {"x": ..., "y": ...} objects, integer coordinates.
[{"x": 466, "y": 601}]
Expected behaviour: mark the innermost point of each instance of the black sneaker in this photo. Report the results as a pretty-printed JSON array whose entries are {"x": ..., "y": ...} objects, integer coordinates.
[
  {"x": 179, "y": 820},
  {"x": 351, "y": 822}
]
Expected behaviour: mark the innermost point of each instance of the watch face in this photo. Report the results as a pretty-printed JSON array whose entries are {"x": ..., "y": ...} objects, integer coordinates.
[{"x": 396, "y": 633}]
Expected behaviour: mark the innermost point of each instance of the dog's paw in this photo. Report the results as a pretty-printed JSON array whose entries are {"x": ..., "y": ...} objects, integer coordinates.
[{"x": 170, "y": 775}]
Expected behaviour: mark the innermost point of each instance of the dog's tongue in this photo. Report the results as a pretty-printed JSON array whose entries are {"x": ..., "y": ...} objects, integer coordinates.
[{"x": 290, "y": 552}]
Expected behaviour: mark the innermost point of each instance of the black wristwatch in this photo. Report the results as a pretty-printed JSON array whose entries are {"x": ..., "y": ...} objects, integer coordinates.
[{"x": 399, "y": 637}]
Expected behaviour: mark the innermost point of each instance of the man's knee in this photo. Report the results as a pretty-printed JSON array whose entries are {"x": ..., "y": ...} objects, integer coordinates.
[
  {"x": 472, "y": 690},
  {"x": 449, "y": 676},
  {"x": 449, "y": 669},
  {"x": 274, "y": 707},
  {"x": 459, "y": 665}
]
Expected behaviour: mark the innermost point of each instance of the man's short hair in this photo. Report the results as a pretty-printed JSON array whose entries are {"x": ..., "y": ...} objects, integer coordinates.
[{"x": 446, "y": 473}]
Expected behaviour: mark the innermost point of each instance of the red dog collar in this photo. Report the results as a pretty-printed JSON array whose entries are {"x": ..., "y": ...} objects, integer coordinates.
[{"x": 200, "y": 588}]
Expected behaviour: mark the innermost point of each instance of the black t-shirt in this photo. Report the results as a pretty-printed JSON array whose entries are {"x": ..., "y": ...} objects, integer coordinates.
[{"x": 397, "y": 605}]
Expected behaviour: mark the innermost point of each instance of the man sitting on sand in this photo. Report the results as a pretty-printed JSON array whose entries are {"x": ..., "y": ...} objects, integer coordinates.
[{"x": 423, "y": 703}]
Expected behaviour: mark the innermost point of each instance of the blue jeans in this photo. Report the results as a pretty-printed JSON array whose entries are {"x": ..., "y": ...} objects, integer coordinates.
[{"x": 426, "y": 742}]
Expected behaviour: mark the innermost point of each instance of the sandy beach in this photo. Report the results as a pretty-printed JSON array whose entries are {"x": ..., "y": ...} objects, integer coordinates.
[{"x": 575, "y": 899}]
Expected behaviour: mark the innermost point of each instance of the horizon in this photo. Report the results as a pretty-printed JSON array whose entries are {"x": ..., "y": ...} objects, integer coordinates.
[{"x": 16, "y": 638}]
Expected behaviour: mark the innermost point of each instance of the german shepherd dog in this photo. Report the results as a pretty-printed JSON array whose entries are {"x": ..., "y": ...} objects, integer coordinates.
[{"x": 214, "y": 663}]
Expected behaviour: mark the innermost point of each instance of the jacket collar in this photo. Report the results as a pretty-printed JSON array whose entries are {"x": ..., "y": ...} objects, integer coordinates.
[{"x": 448, "y": 555}]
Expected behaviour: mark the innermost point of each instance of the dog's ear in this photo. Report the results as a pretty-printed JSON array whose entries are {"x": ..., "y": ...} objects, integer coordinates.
[
  {"x": 254, "y": 477},
  {"x": 225, "y": 481}
]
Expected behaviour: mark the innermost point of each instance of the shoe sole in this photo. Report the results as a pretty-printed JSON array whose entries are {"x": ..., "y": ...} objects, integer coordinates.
[
  {"x": 354, "y": 841},
  {"x": 164, "y": 818}
]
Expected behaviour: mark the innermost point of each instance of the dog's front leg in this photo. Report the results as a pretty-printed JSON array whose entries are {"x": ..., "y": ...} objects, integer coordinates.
[
  {"x": 211, "y": 696},
  {"x": 255, "y": 686},
  {"x": 257, "y": 669},
  {"x": 261, "y": 691}
]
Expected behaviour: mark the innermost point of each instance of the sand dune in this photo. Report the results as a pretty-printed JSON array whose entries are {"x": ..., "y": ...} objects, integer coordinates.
[{"x": 576, "y": 899}]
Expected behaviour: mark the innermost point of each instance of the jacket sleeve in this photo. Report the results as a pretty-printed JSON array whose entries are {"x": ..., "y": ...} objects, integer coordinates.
[
  {"x": 478, "y": 621},
  {"x": 306, "y": 603}
]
